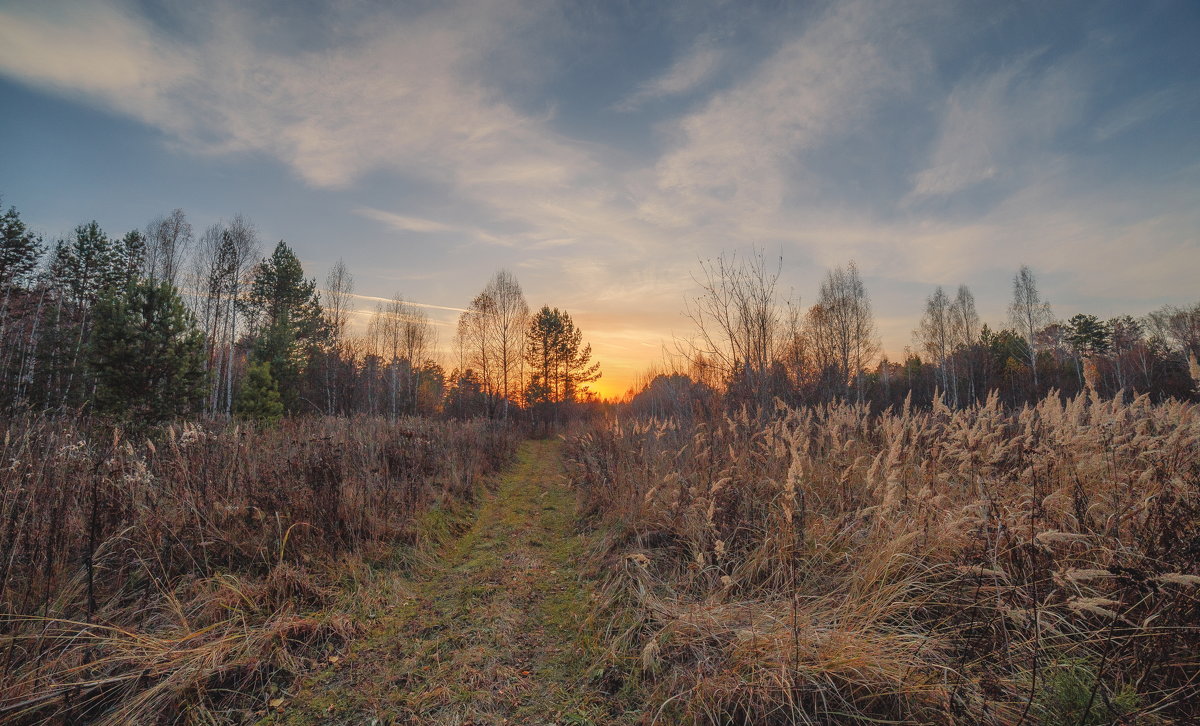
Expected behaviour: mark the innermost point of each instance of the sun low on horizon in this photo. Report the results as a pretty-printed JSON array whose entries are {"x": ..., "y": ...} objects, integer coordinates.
[{"x": 601, "y": 153}]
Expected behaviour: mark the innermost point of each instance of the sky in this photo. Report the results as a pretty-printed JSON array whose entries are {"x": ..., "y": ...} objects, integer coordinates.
[{"x": 601, "y": 150}]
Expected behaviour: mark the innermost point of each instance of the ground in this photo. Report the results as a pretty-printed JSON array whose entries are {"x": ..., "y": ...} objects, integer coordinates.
[{"x": 489, "y": 630}]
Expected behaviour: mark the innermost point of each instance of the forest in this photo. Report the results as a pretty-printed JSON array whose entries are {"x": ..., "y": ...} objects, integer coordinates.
[
  {"x": 229, "y": 495},
  {"x": 225, "y": 330}
]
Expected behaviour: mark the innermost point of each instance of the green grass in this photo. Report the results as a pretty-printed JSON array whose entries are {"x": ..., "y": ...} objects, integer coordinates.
[{"x": 490, "y": 629}]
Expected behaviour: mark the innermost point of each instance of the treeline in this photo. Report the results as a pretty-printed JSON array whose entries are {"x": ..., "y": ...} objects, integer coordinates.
[
  {"x": 751, "y": 347},
  {"x": 162, "y": 323}
]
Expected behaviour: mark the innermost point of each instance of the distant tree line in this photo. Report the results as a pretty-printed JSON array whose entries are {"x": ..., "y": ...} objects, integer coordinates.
[
  {"x": 161, "y": 323},
  {"x": 752, "y": 347}
]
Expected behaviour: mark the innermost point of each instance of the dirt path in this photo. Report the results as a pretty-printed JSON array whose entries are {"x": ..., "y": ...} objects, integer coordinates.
[{"x": 488, "y": 634}]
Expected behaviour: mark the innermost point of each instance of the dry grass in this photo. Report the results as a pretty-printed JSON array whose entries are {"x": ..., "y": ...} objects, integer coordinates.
[
  {"x": 189, "y": 578},
  {"x": 970, "y": 566}
]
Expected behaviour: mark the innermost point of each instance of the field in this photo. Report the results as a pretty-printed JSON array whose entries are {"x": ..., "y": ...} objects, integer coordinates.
[
  {"x": 810, "y": 565},
  {"x": 185, "y": 579},
  {"x": 971, "y": 566}
]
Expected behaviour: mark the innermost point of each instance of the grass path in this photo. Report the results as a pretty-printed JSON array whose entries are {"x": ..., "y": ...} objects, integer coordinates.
[{"x": 487, "y": 634}]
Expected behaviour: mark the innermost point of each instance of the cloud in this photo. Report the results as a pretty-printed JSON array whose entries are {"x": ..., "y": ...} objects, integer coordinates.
[
  {"x": 408, "y": 94},
  {"x": 92, "y": 49},
  {"x": 740, "y": 154},
  {"x": 1135, "y": 112},
  {"x": 685, "y": 75},
  {"x": 403, "y": 223},
  {"x": 991, "y": 124}
]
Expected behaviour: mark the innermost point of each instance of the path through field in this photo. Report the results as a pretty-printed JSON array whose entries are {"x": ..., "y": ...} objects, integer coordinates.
[{"x": 488, "y": 634}]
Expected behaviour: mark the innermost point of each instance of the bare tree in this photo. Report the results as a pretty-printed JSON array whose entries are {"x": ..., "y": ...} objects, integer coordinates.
[
  {"x": 964, "y": 327},
  {"x": 474, "y": 339},
  {"x": 339, "y": 290},
  {"x": 796, "y": 350},
  {"x": 168, "y": 239},
  {"x": 491, "y": 339},
  {"x": 1029, "y": 313},
  {"x": 738, "y": 321},
  {"x": 842, "y": 327},
  {"x": 935, "y": 336},
  {"x": 507, "y": 322},
  {"x": 403, "y": 338},
  {"x": 1179, "y": 327},
  {"x": 223, "y": 266}
]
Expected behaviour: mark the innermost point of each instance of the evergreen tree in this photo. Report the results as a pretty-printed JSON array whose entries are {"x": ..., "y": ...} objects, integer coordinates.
[
  {"x": 560, "y": 361},
  {"x": 147, "y": 356},
  {"x": 127, "y": 257},
  {"x": 277, "y": 347},
  {"x": 259, "y": 399},
  {"x": 281, "y": 294},
  {"x": 83, "y": 266},
  {"x": 1087, "y": 335},
  {"x": 543, "y": 341},
  {"x": 286, "y": 319},
  {"x": 19, "y": 249}
]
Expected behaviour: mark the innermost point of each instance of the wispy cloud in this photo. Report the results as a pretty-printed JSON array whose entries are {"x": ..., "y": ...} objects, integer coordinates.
[
  {"x": 430, "y": 306},
  {"x": 1136, "y": 112},
  {"x": 993, "y": 124},
  {"x": 97, "y": 50},
  {"x": 420, "y": 225},
  {"x": 741, "y": 153},
  {"x": 395, "y": 95},
  {"x": 685, "y": 75},
  {"x": 403, "y": 223}
]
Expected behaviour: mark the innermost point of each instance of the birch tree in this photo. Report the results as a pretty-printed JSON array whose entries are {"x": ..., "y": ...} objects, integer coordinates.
[
  {"x": 1029, "y": 313},
  {"x": 338, "y": 293},
  {"x": 738, "y": 321},
  {"x": 221, "y": 276},
  {"x": 842, "y": 327},
  {"x": 964, "y": 329},
  {"x": 506, "y": 320},
  {"x": 935, "y": 336},
  {"x": 168, "y": 239}
]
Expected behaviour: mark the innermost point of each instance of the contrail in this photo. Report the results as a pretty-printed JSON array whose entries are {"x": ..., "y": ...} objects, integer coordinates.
[{"x": 408, "y": 302}]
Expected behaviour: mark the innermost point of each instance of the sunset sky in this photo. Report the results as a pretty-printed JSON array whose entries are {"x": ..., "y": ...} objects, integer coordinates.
[{"x": 599, "y": 150}]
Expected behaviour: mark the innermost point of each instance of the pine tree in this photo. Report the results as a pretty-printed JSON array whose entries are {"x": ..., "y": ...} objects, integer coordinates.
[
  {"x": 147, "y": 356},
  {"x": 20, "y": 249},
  {"x": 84, "y": 265},
  {"x": 561, "y": 363},
  {"x": 287, "y": 322},
  {"x": 1087, "y": 335},
  {"x": 259, "y": 400},
  {"x": 127, "y": 257},
  {"x": 277, "y": 347}
]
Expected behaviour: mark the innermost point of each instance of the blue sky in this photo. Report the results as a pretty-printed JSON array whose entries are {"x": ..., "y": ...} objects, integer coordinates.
[{"x": 600, "y": 149}]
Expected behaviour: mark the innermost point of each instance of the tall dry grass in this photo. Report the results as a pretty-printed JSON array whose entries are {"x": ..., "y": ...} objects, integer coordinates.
[
  {"x": 1039, "y": 566},
  {"x": 188, "y": 578}
]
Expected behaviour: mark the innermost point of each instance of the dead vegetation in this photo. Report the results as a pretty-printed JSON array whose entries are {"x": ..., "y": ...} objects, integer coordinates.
[
  {"x": 981, "y": 565},
  {"x": 484, "y": 632},
  {"x": 186, "y": 579}
]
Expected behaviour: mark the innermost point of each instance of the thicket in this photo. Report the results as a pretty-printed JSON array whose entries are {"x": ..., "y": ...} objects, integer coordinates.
[
  {"x": 833, "y": 565},
  {"x": 187, "y": 577}
]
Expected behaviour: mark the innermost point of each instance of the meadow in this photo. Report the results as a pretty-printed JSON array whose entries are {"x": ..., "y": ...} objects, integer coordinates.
[
  {"x": 185, "y": 578},
  {"x": 832, "y": 565}
]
